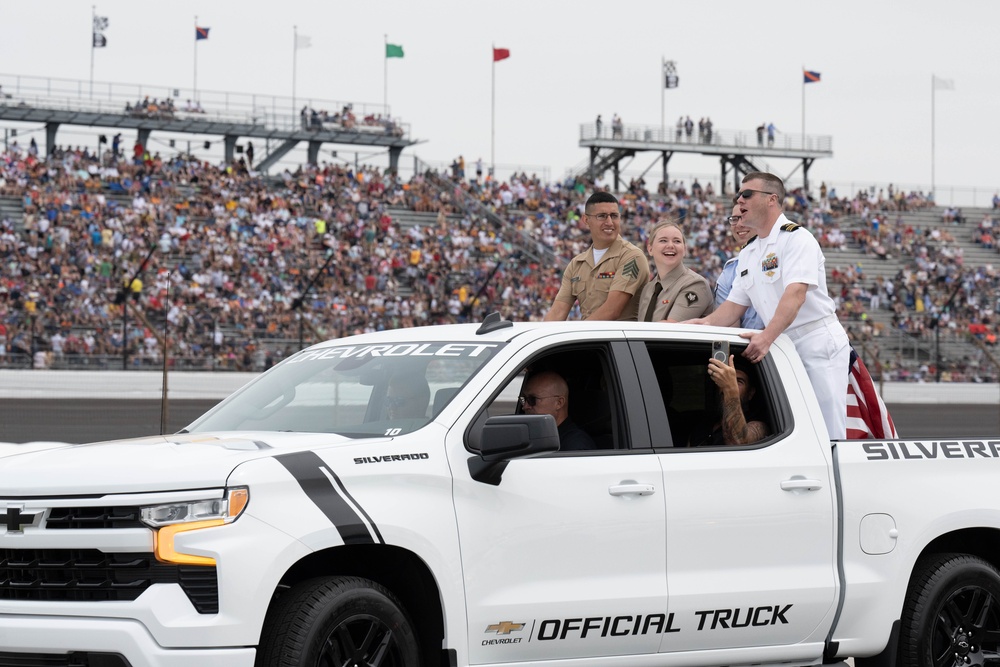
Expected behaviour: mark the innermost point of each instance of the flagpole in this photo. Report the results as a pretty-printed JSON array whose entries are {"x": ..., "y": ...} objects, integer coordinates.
[
  {"x": 93, "y": 19},
  {"x": 385, "y": 76},
  {"x": 196, "y": 58},
  {"x": 663, "y": 98},
  {"x": 493, "y": 112},
  {"x": 803, "y": 106},
  {"x": 932, "y": 138},
  {"x": 295, "y": 57}
]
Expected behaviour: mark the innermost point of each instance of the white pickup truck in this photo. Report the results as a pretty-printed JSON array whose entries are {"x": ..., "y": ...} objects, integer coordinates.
[{"x": 381, "y": 500}]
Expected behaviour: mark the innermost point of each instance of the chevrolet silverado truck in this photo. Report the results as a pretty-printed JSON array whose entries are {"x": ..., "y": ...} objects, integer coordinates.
[{"x": 382, "y": 500}]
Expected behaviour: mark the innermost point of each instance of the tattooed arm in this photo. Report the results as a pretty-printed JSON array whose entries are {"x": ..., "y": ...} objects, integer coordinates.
[{"x": 735, "y": 428}]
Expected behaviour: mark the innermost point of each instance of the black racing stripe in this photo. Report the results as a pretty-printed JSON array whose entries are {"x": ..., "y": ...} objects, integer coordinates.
[
  {"x": 305, "y": 467},
  {"x": 347, "y": 493}
]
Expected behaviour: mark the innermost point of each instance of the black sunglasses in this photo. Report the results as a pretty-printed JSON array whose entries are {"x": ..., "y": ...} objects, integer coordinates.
[
  {"x": 530, "y": 399},
  {"x": 746, "y": 194}
]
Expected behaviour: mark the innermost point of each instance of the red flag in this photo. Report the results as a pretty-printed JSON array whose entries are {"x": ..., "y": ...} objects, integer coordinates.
[
  {"x": 867, "y": 416},
  {"x": 500, "y": 54}
]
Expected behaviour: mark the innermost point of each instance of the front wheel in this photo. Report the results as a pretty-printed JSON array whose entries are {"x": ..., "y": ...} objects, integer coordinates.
[
  {"x": 951, "y": 616},
  {"x": 337, "y": 622}
]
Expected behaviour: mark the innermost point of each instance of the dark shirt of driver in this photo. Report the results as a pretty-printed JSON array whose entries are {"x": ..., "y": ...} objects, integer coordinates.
[{"x": 573, "y": 438}]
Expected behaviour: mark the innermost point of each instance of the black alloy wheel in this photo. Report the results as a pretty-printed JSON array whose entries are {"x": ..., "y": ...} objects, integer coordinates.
[
  {"x": 951, "y": 616},
  {"x": 338, "y": 622}
]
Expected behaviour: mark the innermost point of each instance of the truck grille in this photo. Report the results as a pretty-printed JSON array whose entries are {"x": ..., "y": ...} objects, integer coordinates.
[
  {"x": 89, "y": 575},
  {"x": 94, "y": 517}
]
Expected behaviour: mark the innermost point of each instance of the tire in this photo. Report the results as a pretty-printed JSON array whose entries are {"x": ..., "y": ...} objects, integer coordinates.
[
  {"x": 336, "y": 622},
  {"x": 951, "y": 616}
]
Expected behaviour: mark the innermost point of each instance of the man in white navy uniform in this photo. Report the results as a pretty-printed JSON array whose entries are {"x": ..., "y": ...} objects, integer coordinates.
[{"x": 782, "y": 274}]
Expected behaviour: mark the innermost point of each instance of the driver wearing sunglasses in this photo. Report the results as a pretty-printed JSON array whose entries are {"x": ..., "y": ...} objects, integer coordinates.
[{"x": 547, "y": 393}]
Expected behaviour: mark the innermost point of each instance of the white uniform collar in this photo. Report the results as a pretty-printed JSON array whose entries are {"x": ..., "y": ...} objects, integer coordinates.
[{"x": 772, "y": 238}]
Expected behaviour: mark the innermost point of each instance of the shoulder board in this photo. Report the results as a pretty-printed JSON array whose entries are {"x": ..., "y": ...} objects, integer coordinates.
[
  {"x": 752, "y": 239},
  {"x": 790, "y": 227}
]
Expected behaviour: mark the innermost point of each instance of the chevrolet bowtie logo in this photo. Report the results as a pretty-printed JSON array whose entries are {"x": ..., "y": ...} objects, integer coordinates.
[
  {"x": 15, "y": 519},
  {"x": 504, "y": 628}
]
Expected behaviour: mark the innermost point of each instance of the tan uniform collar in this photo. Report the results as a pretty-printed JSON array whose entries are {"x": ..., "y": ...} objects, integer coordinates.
[
  {"x": 613, "y": 250},
  {"x": 673, "y": 275}
]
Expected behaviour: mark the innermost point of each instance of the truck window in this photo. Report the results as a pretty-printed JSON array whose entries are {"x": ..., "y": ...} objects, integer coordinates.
[
  {"x": 693, "y": 402},
  {"x": 593, "y": 402}
]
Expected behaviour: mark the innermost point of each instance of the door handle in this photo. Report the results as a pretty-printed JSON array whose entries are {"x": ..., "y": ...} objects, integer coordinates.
[
  {"x": 801, "y": 484},
  {"x": 632, "y": 489}
]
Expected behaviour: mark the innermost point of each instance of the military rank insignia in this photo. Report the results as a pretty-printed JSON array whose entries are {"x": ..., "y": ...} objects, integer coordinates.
[{"x": 631, "y": 269}]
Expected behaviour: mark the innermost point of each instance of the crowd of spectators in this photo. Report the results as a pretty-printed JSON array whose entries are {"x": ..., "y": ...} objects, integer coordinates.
[
  {"x": 931, "y": 296},
  {"x": 161, "y": 109},
  {"x": 318, "y": 119},
  {"x": 151, "y": 108},
  {"x": 234, "y": 252}
]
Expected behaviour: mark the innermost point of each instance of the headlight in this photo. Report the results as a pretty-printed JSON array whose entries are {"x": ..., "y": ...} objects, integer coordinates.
[{"x": 174, "y": 518}]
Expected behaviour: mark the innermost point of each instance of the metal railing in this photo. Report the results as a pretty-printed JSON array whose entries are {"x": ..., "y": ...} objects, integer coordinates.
[
  {"x": 226, "y": 101},
  {"x": 717, "y": 138},
  {"x": 270, "y": 111}
]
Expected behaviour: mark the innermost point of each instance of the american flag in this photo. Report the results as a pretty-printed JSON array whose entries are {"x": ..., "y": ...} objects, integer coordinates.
[{"x": 867, "y": 416}]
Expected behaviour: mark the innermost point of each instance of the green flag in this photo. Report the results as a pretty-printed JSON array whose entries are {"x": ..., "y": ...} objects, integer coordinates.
[{"x": 393, "y": 51}]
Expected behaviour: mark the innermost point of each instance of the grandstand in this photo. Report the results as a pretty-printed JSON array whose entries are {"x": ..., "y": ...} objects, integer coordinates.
[
  {"x": 738, "y": 153},
  {"x": 56, "y": 102},
  {"x": 234, "y": 251}
]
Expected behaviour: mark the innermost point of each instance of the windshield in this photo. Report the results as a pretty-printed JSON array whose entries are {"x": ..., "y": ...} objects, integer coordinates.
[{"x": 352, "y": 390}]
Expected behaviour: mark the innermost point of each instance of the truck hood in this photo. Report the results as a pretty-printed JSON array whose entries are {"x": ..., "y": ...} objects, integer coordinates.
[{"x": 156, "y": 463}]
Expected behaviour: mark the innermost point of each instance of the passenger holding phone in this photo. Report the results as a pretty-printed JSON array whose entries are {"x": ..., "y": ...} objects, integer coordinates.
[{"x": 735, "y": 425}]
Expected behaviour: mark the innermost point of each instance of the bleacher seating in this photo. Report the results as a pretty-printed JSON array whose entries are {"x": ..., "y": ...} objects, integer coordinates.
[{"x": 235, "y": 251}]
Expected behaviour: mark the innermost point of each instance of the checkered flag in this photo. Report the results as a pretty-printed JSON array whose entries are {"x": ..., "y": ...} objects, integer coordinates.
[
  {"x": 100, "y": 25},
  {"x": 670, "y": 78}
]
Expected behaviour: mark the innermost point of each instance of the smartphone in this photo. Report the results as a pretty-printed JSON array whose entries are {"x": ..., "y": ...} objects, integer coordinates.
[{"x": 720, "y": 350}]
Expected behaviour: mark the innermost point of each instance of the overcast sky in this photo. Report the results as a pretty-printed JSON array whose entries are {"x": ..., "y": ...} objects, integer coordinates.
[{"x": 739, "y": 63}]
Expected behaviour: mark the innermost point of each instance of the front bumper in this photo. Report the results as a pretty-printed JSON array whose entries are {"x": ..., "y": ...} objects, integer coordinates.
[{"x": 51, "y": 637}]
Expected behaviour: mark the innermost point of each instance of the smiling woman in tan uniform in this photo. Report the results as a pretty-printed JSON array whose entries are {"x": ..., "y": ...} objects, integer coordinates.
[{"x": 678, "y": 293}]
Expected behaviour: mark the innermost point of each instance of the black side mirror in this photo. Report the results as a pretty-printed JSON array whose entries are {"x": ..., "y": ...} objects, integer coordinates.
[
  {"x": 516, "y": 436},
  {"x": 512, "y": 437}
]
